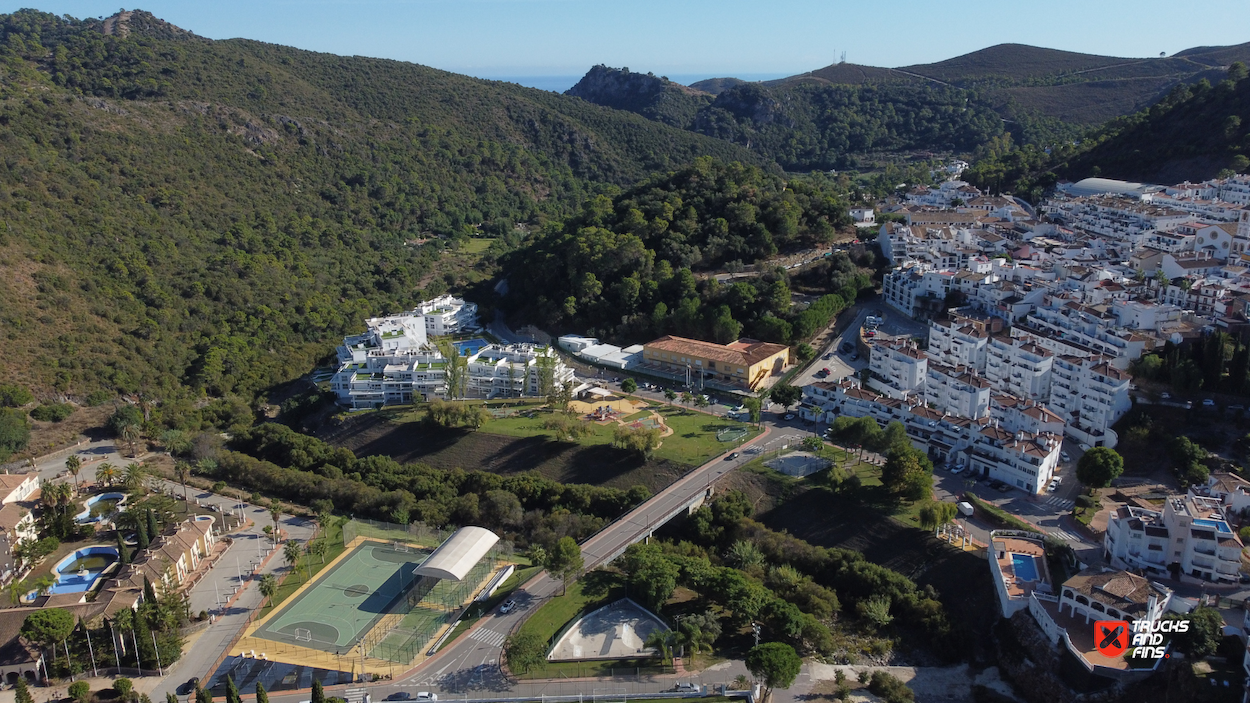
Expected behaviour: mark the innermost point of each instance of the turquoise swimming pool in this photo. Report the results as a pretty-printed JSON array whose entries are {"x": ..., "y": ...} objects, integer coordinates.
[{"x": 1024, "y": 567}]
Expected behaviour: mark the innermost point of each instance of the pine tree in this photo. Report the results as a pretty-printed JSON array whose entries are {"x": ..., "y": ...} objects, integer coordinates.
[
  {"x": 318, "y": 693},
  {"x": 149, "y": 593},
  {"x": 232, "y": 691},
  {"x": 22, "y": 692},
  {"x": 154, "y": 529},
  {"x": 261, "y": 695},
  {"x": 122, "y": 554},
  {"x": 202, "y": 695},
  {"x": 142, "y": 532}
]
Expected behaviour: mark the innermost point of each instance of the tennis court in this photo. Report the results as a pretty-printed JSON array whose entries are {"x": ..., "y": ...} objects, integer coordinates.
[{"x": 347, "y": 600}]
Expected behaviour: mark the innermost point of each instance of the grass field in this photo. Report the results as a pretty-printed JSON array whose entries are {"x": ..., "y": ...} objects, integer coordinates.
[
  {"x": 477, "y": 245},
  {"x": 517, "y": 444}
]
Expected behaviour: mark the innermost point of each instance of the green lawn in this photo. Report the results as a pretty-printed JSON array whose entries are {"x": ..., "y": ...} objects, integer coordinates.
[
  {"x": 692, "y": 443},
  {"x": 591, "y": 591},
  {"x": 476, "y": 245}
]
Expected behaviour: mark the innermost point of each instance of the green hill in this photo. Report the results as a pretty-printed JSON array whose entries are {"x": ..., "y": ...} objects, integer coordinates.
[
  {"x": 654, "y": 97},
  {"x": 1193, "y": 133},
  {"x": 185, "y": 216}
]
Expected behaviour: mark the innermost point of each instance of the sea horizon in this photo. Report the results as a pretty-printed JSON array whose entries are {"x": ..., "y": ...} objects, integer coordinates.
[{"x": 559, "y": 84}]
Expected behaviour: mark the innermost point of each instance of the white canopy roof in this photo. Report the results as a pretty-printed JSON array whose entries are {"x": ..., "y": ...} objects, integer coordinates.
[{"x": 461, "y": 552}]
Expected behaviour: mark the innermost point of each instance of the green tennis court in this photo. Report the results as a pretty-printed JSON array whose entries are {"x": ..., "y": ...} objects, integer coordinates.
[{"x": 346, "y": 600}]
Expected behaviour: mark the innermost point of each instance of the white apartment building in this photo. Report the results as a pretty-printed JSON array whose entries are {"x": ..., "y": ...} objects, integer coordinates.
[
  {"x": 406, "y": 376},
  {"x": 1190, "y": 537},
  {"x": 1021, "y": 458},
  {"x": 919, "y": 294},
  {"x": 511, "y": 371},
  {"x": 1090, "y": 395},
  {"x": 1018, "y": 367},
  {"x": 446, "y": 315},
  {"x": 961, "y": 341},
  {"x": 957, "y": 390},
  {"x": 898, "y": 367},
  {"x": 1014, "y": 414}
]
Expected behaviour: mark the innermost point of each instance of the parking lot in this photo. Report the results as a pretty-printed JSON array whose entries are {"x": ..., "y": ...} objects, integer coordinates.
[{"x": 842, "y": 364}]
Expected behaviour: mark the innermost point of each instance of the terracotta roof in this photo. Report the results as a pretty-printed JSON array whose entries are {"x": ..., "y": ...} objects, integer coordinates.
[
  {"x": 1116, "y": 588},
  {"x": 744, "y": 352}
]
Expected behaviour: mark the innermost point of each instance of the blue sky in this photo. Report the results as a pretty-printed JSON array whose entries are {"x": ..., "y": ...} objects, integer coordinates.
[{"x": 493, "y": 38}]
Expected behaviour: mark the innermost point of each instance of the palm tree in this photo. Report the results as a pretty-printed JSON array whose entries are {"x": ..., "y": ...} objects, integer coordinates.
[
  {"x": 106, "y": 473},
  {"x": 131, "y": 434},
  {"x": 74, "y": 464},
  {"x": 291, "y": 552},
  {"x": 182, "y": 469},
  {"x": 134, "y": 477},
  {"x": 268, "y": 587},
  {"x": 16, "y": 590},
  {"x": 275, "y": 512},
  {"x": 318, "y": 549},
  {"x": 663, "y": 641}
]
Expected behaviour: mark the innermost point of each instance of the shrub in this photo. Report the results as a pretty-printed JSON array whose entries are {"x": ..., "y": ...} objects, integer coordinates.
[
  {"x": 80, "y": 691},
  {"x": 53, "y": 412},
  {"x": 1084, "y": 501},
  {"x": 889, "y": 688},
  {"x": 97, "y": 398},
  {"x": 12, "y": 396}
]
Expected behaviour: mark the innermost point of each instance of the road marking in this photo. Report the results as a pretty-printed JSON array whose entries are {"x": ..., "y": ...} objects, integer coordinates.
[
  {"x": 490, "y": 637},
  {"x": 1065, "y": 536}
]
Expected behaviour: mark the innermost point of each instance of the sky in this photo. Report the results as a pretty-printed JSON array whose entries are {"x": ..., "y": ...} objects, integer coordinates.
[{"x": 684, "y": 39}]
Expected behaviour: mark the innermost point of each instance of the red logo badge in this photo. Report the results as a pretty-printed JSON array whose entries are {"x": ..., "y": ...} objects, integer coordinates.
[{"x": 1111, "y": 637}]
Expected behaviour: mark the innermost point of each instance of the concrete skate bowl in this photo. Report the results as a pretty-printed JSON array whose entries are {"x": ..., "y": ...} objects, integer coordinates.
[
  {"x": 798, "y": 464},
  {"x": 615, "y": 631}
]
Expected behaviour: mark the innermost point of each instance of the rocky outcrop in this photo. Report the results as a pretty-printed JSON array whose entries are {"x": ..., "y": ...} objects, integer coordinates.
[{"x": 654, "y": 97}]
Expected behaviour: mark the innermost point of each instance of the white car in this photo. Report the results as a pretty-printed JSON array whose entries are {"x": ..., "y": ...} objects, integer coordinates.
[
  {"x": 1065, "y": 456},
  {"x": 426, "y": 696},
  {"x": 507, "y": 606},
  {"x": 957, "y": 469},
  {"x": 789, "y": 416},
  {"x": 1055, "y": 483}
]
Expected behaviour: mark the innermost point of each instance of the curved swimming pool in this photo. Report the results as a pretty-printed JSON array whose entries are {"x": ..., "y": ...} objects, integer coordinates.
[
  {"x": 78, "y": 571},
  {"x": 104, "y": 500}
]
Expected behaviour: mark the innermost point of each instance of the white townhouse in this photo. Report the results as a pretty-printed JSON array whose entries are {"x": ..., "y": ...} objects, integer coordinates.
[
  {"x": 961, "y": 341},
  {"x": 1021, "y": 459}
]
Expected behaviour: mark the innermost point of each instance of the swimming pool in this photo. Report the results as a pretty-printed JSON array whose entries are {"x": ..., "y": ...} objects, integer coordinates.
[
  {"x": 102, "y": 502},
  {"x": 78, "y": 571},
  {"x": 1217, "y": 525},
  {"x": 469, "y": 347},
  {"x": 1024, "y": 567}
]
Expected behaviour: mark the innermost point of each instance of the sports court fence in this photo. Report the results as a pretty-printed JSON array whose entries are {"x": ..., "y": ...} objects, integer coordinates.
[{"x": 417, "y": 533}]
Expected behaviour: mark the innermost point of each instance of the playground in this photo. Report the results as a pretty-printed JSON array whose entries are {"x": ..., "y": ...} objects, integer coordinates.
[{"x": 346, "y": 600}]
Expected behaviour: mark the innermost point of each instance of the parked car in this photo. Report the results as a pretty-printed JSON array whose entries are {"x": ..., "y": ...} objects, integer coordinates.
[
  {"x": 1208, "y": 403},
  {"x": 1055, "y": 483},
  {"x": 1064, "y": 455},
  {"x": 687, "y": 687},
  {"x": 189, "y": 685},
  {"x": 855, "y": 356},
  {"x": 828, "y": 356},
  {"x": 789, "y": 416},
  {"x": 957, "y": 469},
  {"x": 1165, "y": 395},
  {"x": 399, "y": 696},
  {"x": 847, "y": 347},
  {"x": 507, "y": 607},
  {"x": 826, "y": 371},
  {"x": 427, "y": 696}
]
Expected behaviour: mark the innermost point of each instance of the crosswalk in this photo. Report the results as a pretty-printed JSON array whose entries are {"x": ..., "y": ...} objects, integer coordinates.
[
  {"x": 490, "y": 637},
  {"x": 1065, "y": 535},
  {"x": 1057, "y": 502}
]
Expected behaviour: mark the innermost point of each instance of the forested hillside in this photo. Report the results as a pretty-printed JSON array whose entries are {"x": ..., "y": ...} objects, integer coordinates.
[
  {"x": 1194, "y": 133},
  {"x": 802, "y": 125},
  {"x": 624, "y": 268},
  {"x": 186, "y": 217}
]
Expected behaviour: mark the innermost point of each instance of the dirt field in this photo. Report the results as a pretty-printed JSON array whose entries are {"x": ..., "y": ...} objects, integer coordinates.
[
  {"x": 48, "y": 437},
  {"x": 962, "y": 579},
  {"x": 455, "y": 448}
]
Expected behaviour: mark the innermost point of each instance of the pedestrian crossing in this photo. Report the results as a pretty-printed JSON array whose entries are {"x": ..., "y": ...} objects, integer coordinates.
[
  {"x": 490, "y": 637},
  {"x": 1060, "y": 503},
  {"x": 1065, "y": 535}
]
